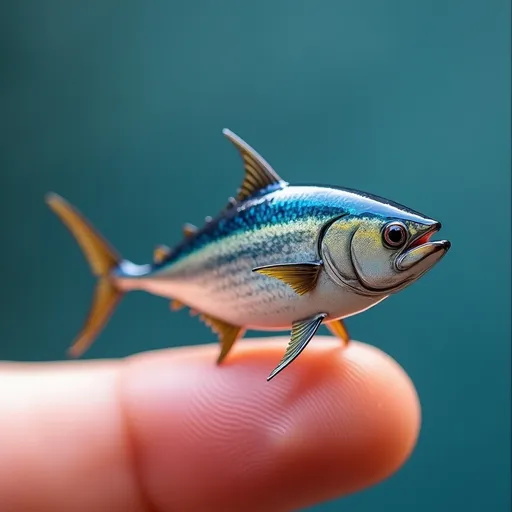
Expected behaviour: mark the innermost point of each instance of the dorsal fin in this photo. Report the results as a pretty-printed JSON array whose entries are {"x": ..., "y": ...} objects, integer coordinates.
[{"x": 258, "y": 172}]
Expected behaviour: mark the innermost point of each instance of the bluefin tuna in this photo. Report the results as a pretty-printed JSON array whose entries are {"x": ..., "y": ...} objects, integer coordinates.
[{"x": 277, "y": 257}]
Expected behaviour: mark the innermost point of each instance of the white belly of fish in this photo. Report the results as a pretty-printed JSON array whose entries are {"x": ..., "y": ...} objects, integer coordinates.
[{"x": 269, "y": 307}]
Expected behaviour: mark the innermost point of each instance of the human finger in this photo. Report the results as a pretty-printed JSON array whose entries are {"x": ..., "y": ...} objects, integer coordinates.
[{"x": 170, "y": 430}]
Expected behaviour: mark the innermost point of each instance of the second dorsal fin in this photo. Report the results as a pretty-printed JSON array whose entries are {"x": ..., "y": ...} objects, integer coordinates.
[{"x": 258, "y": 172}]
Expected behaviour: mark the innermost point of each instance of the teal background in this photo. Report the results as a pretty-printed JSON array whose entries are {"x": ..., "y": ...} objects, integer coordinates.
[{"x": 119, "y": 107}]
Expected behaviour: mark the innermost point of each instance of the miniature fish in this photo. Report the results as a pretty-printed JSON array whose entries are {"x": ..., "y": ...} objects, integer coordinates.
[{"x": 277, "y": 257}]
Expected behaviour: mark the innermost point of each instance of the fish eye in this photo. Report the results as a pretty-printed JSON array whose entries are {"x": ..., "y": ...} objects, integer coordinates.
[{"x": 395, "y": 234}]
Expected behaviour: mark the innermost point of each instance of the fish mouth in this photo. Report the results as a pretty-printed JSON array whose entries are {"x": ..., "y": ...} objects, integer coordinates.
[{"x": 422, "y": 247}]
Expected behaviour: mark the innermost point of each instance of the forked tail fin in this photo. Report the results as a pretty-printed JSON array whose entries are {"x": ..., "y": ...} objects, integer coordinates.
[{"x": 102, "y": 258}]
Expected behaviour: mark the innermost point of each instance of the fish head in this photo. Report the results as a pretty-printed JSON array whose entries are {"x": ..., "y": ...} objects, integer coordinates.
[{"x": 381, "y": 254}]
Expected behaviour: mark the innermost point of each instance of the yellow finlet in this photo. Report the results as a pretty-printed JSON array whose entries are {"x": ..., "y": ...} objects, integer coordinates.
[
  {"x": 302, "y": 277},
  {"x": 228, "y": 334},
  {"x": 160, "y": 253},
  {"x": 189, "y": 229},
  {"x": 338, "y": 329},
  {"x": 176, "y": 305}
]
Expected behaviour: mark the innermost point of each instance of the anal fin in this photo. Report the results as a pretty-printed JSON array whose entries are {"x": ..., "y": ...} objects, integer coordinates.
[
  {"x": 302, "y": 332},
  {"x": 228, "y": 334},
  {"x": 338, "y": 329},
  {"x": 302, "y": 277}
]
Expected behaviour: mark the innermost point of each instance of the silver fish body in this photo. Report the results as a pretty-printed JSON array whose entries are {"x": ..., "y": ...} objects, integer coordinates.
[
  {"x": 218, "y": 278},
  {"x": 277, "y": 257}
]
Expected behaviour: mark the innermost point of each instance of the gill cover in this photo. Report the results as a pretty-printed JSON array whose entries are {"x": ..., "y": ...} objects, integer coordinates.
[{"x": 355, "y": 253}]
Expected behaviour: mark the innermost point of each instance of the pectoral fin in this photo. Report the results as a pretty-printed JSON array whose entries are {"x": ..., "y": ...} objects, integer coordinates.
[
  {"x": 302, "y": 277},
  {"x": 258, "y": 172},
  {"x": 160, "y": 253},
  {"x": 302, "y": 332},
  {"x": 337, "y": 327},
  {"x": 226, "y": 332}
]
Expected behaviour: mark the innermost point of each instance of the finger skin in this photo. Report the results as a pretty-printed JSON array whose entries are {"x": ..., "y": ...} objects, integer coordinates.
[
  {"x": 62, "y": 442},
  {"x": 170, "y": 430}
]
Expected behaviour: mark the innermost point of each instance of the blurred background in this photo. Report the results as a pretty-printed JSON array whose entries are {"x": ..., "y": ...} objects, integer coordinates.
[{"x": 119, "y": 106}]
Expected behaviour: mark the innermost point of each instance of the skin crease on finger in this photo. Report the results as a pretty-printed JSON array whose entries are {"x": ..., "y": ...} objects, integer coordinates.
[
  {"x": 171, "y": 431},
  {"x": 223, "y": 438}
]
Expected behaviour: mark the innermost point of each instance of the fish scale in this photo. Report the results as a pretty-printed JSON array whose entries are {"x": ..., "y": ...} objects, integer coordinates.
[
  {"x": 276, "y": 257},
  {"x": 232, "y": 278}
]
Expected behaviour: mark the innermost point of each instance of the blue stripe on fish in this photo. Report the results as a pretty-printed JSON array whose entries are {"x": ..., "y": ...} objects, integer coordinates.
[
  {"x": 251, "y": 216},
  {"x": 281, "y": 206}
]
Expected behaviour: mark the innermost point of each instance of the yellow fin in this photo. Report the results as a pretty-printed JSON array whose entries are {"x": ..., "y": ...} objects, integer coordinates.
[
  {"x": 258, "y": 172},
  {"x": 189, "y": 229},
  {"x": 99, "y": 254},
  {"x": 176, "y": 305},
  {"x": 228, "y": 334},
  {"x": 302, "y": 277},
  {"x": 102, "y": 258},
  {"x": 106, "y": 298},
  {"x": 338, "y": 329},
  {"x": 160, "y": 253}
]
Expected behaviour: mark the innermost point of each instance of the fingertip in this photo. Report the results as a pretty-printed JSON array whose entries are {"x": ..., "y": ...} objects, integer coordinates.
[{"x": 223, "y": 438}]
